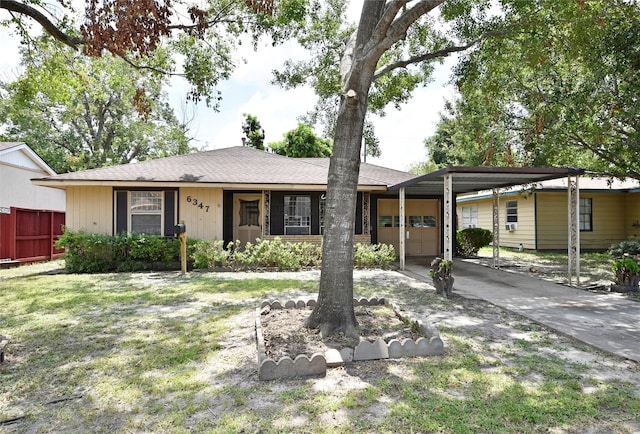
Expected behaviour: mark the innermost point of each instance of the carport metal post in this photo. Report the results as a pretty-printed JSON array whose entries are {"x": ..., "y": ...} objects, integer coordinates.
[
  {"x": 402, "y": 230},
  {"x": 496, "y": 228},
  {"x": 448, "y": 217},
  {"x": 573, "y": 201}
]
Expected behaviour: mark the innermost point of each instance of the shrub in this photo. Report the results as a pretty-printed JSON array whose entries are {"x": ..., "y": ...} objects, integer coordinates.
[
  {"x": 93, "y": 253},
  {"x": 627, "y": 271},
  {"x": 373, "y": 255},
  {"x": 276, "y": 254},
  {"x": 629, "y": 247},
  {"x": 97, "y": 253},
  {"x": 87, "y": 253},
  {"x": 207, "y": 254},
  {"x": 470, "y": 240}
]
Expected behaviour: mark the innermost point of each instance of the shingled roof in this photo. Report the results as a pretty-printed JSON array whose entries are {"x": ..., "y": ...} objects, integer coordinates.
[{"x": 236, "y": 165}]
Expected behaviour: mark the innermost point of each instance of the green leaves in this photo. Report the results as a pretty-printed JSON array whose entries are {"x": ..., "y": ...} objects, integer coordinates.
[
  {"x": 302, "y": 142},
  {"x": 558, "y": 89},
  {"x": 79, "y": 112},
  {"x": 253, "y": 132}
]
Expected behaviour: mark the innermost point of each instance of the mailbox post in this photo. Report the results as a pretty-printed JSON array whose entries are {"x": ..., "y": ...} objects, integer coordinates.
[{"x": 181, "y": 231}]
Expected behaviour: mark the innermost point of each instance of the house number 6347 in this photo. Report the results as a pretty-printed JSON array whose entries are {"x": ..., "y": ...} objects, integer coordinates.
[{"x": 195, "y": 202}]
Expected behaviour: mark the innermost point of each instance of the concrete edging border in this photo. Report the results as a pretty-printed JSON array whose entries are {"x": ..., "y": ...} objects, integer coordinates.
[{"x": 316, "y": 365}]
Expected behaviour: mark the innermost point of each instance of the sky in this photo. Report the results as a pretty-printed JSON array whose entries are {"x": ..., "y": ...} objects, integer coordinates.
[{"x": 249, "y": 90}]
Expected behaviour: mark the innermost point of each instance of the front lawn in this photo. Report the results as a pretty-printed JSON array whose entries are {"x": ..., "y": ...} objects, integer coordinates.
[{"x": 162, "y": 352}]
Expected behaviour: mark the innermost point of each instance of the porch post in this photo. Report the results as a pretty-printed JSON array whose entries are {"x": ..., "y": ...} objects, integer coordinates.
[
  {"x": 496, "y": 228},
  {"x": 573, "y": 200},
  {"x": 402, "y": 230},
  {"x": 448, "y": 217},
  {"x": 366, "y": 214},
  {"x": 266, "y": 214}
]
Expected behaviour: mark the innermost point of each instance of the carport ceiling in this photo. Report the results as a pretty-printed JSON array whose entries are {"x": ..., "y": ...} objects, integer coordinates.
[{"x": 477, "y": 178}]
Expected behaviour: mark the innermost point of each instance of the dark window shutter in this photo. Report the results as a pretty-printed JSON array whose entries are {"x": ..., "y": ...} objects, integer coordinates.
[
  {"x": 122, "y": 210},
  {"x": 277, "y": 213},
  {"x": 169, "y": 212},
  {"x": 358, "y": 228}
]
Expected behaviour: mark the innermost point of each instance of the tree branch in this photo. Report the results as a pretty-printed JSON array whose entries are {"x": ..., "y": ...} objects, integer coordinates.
[
  {"x": 435, "y": 54},
  {"x": 391, "y": 29},
  {"x": 47, "y": 25}
]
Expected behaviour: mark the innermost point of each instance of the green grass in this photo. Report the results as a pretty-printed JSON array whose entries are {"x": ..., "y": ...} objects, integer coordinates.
[{"x": 159, "y": 352}]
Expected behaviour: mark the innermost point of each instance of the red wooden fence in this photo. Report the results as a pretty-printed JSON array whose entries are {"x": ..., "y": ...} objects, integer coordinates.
[{"x": 28, "y": 235}]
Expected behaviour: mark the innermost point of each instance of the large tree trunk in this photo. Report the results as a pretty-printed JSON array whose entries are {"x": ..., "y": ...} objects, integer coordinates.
[{"x": 334, "y": 312}]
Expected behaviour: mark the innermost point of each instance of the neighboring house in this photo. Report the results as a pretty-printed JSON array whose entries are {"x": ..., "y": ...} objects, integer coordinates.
[
  {"x": 537, "y": 218},
  {"x": 31, "y": 216}
]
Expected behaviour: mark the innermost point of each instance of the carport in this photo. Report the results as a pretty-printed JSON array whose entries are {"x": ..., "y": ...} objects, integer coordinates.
[{"x": 454, "y": 180}]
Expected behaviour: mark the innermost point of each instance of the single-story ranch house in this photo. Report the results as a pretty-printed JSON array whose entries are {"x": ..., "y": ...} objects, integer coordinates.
[
  {"x": 237, "y": 193},
  {"x": 535, "y": 216},
  {"x": 240, "y": 193}
]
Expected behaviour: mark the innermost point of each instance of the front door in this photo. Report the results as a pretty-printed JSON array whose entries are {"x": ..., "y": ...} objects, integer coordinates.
[
  {"x": 247, "y": 218},
  {"x": 423, "y": 231}
]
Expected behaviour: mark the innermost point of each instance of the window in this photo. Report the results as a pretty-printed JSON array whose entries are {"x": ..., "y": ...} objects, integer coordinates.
[
  {"x": 512, "y": 211},
  {"x": 396, "y": 221},
  {"x": 386, "y": 221},
  {"x": 145, "y": 212},
  {"x": 415, "y": 221},
  {"x": 469, "y": 216},
  {"x": 151, "y": 212},
  {"x": 586, "y": 216},
  {"x": 297, "y": 215},
  {"x": 429, "y": 221},
  {"x": 249, "y": 212}
]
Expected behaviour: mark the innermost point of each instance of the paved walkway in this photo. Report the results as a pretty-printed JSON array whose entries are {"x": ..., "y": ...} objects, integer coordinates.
[{"x": 609, "y": 322}]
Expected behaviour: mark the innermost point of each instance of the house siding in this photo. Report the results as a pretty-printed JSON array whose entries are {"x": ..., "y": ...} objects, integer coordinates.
[
  {"x": 632, "y": 215},
  {"x": 525, "y": 234},
  {"x": 608, "y": 221},
  {"x": 201, "y": 223},
  {"x": 90, "y": 209},
  {"x": 17, "y": 190}
]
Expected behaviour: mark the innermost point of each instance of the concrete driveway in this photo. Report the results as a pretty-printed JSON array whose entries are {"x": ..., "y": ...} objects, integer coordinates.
[{"x": 606, "y": 321}]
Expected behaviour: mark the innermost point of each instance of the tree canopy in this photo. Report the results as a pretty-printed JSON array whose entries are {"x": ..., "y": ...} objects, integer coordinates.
[
  {"x": 563, "y": 92},
  {"x": 253, "y": 132},
  {"x": 80, "y": 113},
  {"x": 196, "y": 41},
  {"x": 302, "y": 142}
]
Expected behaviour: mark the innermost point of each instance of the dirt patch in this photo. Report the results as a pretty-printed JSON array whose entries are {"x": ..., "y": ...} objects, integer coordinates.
[{"x": 285, "y": 334}]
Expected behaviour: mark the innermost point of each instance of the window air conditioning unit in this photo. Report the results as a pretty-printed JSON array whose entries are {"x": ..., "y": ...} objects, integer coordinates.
[{"x": 511, "y": 226}]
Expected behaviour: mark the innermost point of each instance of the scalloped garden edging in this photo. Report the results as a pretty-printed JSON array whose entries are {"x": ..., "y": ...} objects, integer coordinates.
[{"x": 316, "y": 364}]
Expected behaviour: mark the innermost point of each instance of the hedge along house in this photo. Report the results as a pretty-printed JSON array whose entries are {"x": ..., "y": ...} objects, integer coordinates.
[
  {"x": 31, "y": 217},
  {"x": 534, "y": 216}
]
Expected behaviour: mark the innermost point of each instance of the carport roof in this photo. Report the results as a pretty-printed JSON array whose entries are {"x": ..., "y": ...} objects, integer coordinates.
[{"x": 467, "y": 179}]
